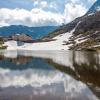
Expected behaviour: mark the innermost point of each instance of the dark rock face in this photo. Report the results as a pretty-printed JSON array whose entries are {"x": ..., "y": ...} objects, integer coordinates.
[
  {"x": 89, "y": 30},
  {"x": 89, "y": 24}
]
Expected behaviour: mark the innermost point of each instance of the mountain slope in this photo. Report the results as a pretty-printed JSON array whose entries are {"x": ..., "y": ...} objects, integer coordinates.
[
  {"x": 35, "y": 32},
  {"x": 81, "y": 34},
  {"x": 86, "y": 34}
]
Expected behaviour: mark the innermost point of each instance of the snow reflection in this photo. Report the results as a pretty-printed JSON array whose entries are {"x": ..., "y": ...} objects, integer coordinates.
[{"x": 65, "y": 81}]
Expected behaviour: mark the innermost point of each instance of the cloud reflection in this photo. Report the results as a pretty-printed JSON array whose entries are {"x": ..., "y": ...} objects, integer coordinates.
[{"x": 51, "y": 83}]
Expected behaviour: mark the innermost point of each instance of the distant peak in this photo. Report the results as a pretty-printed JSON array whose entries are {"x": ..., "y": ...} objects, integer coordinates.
[{"x": 95, "y": 7}]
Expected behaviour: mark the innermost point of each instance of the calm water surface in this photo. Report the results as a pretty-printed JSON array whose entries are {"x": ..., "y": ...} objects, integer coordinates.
[{"x": 49, "y": 75}]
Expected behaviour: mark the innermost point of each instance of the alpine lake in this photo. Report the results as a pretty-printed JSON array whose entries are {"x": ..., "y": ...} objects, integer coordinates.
[{"x": 49, "y": 75}]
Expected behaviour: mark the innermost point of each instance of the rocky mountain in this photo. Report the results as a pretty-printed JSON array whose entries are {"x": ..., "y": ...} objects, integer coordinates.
[
  {"x": 21, "y": 37},
  {"x": 35, "y": 32},
  {"x": 86, "y": 31}
]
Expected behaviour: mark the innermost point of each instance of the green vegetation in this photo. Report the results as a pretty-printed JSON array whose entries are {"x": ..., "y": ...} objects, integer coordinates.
[{"x": 1, "y": 44}]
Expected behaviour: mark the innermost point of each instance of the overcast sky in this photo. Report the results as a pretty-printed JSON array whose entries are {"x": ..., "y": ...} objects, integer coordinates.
[{"x": 41, "y": 12}]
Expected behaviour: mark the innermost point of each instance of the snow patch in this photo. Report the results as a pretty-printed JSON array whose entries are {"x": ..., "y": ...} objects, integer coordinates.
[{"x": 52, "y": 45}]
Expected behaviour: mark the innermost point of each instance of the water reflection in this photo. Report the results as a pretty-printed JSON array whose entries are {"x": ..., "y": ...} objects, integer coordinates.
[{"x": 49, "y": 75}]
